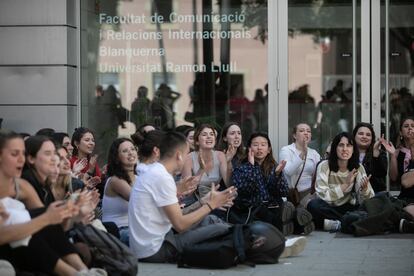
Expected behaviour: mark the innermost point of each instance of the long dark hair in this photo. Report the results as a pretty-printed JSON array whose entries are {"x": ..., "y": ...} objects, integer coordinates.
[
  {"x": 223, "y": 145},
  {"x": 77, "y": 136},
  {"x": 369, "y": 153},
  {"x": 269, "y": 163},
  {"x": 114, "y": 164},
  {"x": 401, "y": 140},
  {"x": 59, "y": 136},
  {"x": 353, "y": 162}
]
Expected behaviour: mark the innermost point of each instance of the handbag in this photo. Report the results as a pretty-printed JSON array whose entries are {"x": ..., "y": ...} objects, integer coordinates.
[{"x": 294, "y": 195}]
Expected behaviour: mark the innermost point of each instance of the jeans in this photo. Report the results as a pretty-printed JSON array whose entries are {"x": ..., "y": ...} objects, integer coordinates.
[{"x": 322, "y": 210}]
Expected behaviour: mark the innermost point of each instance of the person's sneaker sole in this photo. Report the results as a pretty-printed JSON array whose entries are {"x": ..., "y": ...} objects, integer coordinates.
[
  {"x": 288, "y": 228},
  {"x": 308, "y": 228},
  {"x": 303, "y": 216},
  {"x": 288, "y": 212},
  {"x": 295, "y": 249},
  {"x": 304, "y": 221}
]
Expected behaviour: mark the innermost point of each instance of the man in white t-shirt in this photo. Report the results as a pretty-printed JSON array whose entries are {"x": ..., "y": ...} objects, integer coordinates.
[{"x": 154, "y": 209}]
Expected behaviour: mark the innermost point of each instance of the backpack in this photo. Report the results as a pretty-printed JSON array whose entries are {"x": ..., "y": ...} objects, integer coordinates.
[
  {"x": 269, "y": 250},
  {"x": 238, "y": 246},
  {"x": 107, "y": 251}
]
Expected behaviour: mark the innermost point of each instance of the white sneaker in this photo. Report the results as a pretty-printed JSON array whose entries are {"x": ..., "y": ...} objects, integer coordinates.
[
  {"x": 331, "y": 225},
  {"x": 92, "y": 272},
  {"x": 293, "y": 247},
  {"x": 6, "y": 269}
]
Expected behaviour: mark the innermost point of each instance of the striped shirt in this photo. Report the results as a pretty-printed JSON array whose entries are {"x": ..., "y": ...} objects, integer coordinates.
[{"x": 328, "y": 186}]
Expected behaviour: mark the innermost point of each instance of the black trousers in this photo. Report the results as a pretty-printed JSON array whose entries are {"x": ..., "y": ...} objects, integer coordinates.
[
  {"x": 321, "y": 210},
  {"x": 43, "y": 251}
]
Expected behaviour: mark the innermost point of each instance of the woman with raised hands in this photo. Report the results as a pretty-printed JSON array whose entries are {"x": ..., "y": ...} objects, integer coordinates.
[
  {"x": 205, "y": 161},
  {"x": 371, "y": 156},
  {"x": 231, "y": 143},
  {"x": 122, "y": 161},
  {"x": 35, "y": 241},
  {"x": 301, "y": 161},
  {"x": 341, "y": 184},
  {"x": 83, "y": 160},
  {"x": 402, "y": 156},
  {"x": 261, "y": 186}
]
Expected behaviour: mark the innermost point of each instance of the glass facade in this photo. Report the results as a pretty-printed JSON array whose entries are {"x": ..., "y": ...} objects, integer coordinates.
[{"x": 171, "y": 63}]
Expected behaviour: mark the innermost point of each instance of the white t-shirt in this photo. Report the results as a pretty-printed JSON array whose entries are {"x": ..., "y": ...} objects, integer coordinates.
[
  {"x": 17, "y": 215},
  {"x": 148, "y": 223},
  {"x": 294, "y": 165}
]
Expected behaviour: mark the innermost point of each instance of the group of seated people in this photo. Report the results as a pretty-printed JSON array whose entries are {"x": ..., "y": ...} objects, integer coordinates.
[{"x": 159, "y": 192}]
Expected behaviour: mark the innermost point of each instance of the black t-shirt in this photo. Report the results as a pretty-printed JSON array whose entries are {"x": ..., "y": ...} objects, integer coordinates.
[{"x": 408, "y": 193}]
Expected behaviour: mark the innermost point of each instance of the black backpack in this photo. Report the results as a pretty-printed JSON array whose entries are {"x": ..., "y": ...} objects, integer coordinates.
[
  {"x": 107, "y": 251},
  {"x": 238, "y": 246},
  {"x": 271, "y": 246}
]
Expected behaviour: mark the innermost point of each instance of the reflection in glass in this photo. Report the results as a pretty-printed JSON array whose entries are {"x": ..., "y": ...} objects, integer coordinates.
[
  {"x": 171, "y": 63},
  {"x": 320, "y": 67},
  {"x": 401, "y": 65}
]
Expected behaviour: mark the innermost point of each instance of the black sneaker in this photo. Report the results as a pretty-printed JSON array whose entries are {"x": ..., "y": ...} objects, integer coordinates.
[
  {"x": 406, "y": 226},
  {"x": 303, "y": 222}
]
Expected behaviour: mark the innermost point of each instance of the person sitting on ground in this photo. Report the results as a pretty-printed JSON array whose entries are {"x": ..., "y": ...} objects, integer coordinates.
[
  {"x": 62, "y": 138},
  {"x": 154, "y": 209},
  {"x": 205, "y": 160},
  {"x": 400, "y": 157},
  {"x": 371, "y": 156},
  {"x": 122, "y": 160},
  {"x": 149, "y": 152},
  {"x": 148, "y": 148},
  {"x": 47, "y": 250},
  {"x": 42, "y": 171},
  {"x": 83, "y": 142},
  {"x": 231, "y": 143},
  {"x": 66, "y": 183},
  {"x": 300, "y": 162},
  {"x": 262, "y": 185},
  {"x": 341, "y": 184}
]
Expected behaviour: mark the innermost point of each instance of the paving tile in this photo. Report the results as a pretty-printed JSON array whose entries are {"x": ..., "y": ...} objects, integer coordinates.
[{"x": 324, "y": 255}]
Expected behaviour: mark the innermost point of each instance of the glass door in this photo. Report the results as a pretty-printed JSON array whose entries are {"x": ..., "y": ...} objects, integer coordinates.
[
  {"x": 397, "y": 67},
  {"x": 322, "y": 68}
]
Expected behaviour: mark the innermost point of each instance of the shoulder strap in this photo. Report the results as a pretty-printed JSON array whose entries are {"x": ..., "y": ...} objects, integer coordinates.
[
  {"x": 303, "y": 167},
  {"x": 16, "y": 188}
]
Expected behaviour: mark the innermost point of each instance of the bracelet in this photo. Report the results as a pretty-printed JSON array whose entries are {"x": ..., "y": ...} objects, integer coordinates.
[{"x": 209, "y": 206}]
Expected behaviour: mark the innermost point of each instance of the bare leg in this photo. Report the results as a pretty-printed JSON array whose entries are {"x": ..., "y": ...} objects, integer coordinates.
[
  {"x": 75, "y": 261},
  {"x": 410, "y": 210},
  {"x": 62, "y": 268}
]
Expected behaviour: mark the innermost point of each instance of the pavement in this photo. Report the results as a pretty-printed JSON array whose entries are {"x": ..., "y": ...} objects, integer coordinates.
[{"x": 325, "y": 254}]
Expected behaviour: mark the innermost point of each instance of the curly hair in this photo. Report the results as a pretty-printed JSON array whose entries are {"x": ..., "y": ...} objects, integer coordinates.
[
  {"x": 353, "y": 162},
  {"x": 77, "y": 136},
  {"x": 115, "y": 167}
]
